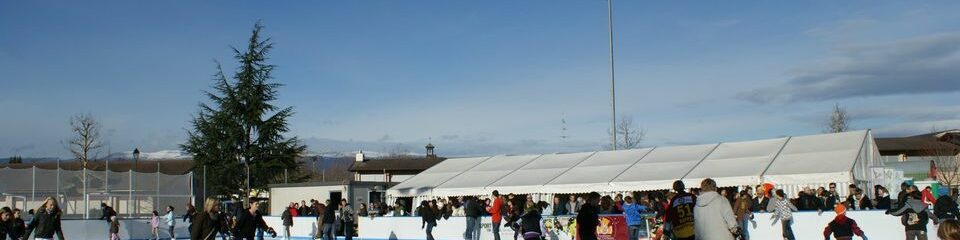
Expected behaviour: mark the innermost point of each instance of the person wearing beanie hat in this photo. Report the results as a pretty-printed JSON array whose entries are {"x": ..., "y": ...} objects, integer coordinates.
[
  {"x": 946, "y": 207},
  {"x": 842, "y": 227}
]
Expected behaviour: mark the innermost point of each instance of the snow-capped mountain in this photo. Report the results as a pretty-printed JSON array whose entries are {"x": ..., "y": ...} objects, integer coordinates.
[
  {"x": 367, "y": 154},
  {"x": 162, "y": 154}
]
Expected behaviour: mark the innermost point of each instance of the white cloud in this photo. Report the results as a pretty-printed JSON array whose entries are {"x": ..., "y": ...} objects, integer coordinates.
[{"x": 928, "y": 64}]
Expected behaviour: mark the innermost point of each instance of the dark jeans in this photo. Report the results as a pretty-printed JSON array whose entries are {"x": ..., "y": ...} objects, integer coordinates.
[
  {"x": 171, "y": 233},
  {"x": 496, "y": 230},
  {"x": 916, "y": 234},
  {"x": 788, "y": 229},
  {"x": 633, "y": 232},
  {"x": 348, "y": 230},
  {"x": 473, "y": 229},
  {"x": 429, "y": 231},
  {"x": 744, "y": 232},
  {"x": 328, "y": 231}
]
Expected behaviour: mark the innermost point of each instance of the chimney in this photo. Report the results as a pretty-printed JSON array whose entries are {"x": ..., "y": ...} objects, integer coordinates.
[{"x": 360, "y": 157}]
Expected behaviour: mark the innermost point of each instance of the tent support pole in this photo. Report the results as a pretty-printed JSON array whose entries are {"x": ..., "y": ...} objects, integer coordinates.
[{"x": 863, "y": 143}]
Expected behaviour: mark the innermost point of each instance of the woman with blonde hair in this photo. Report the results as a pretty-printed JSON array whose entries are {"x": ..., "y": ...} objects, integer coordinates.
[
  {"x": 713, "y": 216},
  {"x": 46, "y": 221},
  {"x": 949, "y": 230},
  {"x": 206, "y": 224}
]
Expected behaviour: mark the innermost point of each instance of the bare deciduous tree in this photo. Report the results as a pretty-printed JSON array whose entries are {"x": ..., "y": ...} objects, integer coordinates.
[
  {"x": 946, "y": 157},
  {"x": 839, "y": 120},
  {"x": 87, "y": 137},
  {"x": 399, "y": 151},
  {"x": 630, "y": 135}
]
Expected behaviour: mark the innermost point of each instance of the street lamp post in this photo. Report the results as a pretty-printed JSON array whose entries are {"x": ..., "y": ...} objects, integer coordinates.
[{"x": 136, "y": 163}]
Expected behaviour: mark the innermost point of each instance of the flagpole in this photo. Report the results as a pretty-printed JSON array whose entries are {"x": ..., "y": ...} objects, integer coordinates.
[{"x": 613, "y": 84}]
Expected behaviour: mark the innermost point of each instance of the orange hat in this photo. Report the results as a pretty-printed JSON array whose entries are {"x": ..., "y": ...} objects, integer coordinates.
[
  {"x": 840, "y": 209},
  {"x": 766, "y": 189}
]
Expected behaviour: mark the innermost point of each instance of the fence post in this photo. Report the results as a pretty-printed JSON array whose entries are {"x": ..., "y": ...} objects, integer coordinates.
[
  {"x": 156, "y": 200},
  {"x": 130, "y": 194},
  {"x": 33, "y": 188},
  {"x": 285, "y": 179},
  {"x": 106, "y": 182},
  {"x": 86, "y": 199},
  {"x": 193, "y": 198},
  {"x": 58, "y": 179}
]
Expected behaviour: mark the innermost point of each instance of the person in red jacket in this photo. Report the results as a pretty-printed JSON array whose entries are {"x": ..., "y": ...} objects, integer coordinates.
[
  {"x": 495, "y": 214},
  {"x": 841, "y": 227}
]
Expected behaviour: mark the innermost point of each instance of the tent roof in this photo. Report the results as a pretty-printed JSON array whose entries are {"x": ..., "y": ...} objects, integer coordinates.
[
  {"x": 809, "y": 159},
  {"x": 596, "y": 172},
  {"x": 540, "y": 171},
  {"x": 474, "y": 181},
  {"x": 661, "y": 167},
  {"x": 817, "y": 158},
  {"x": 736, "y": 163},
  {"x": 438, "y": 174}
]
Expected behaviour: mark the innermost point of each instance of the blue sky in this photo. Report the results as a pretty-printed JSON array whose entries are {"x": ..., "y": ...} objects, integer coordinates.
[{"x": 482, "y": 78}]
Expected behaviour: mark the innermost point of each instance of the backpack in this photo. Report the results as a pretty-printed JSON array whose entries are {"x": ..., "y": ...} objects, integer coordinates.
[{"x": 913, "y": 218}]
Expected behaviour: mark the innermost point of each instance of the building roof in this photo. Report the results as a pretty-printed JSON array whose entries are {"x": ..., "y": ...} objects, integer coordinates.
[
  {"x": 924, "y": 142},
  {"x": 171, "y": 166},
  {"x": 396, "y": 164},
  {"x": 796, "y": 161}
]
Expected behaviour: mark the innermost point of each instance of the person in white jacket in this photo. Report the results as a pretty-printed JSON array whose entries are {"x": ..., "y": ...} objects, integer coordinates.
[{"x": 714, "y": 216}]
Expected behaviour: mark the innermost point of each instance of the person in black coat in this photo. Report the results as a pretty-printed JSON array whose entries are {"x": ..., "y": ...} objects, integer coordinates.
[
  {"x": 328, "y": 220},
  {"x": 106, "y": 212},
  {"x": 6, "y": 215},
  {"x": 828, "y": 200},
  {"x": 882, "y": 197},
  {"x": 248, "y": 221},
  {"x": 530, "y": 224},
  {"x": 859, "y": 201},
  {"x": 588, "y": 218},
  {"x": 473, "y": 210},
  {"x": 287, "y": 217},
  {"x": 17, "y": 226},
  {"x": 428, "y": 219},
  {"x": 946, "y": 207},
  {"x": 46, "y": 221},
  {"x": 205, "y": 225},
  {"x": 559, "y": 208},
  {"x": 902, "y": 196}
]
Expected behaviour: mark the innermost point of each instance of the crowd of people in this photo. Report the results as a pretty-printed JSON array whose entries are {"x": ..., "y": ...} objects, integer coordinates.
[
  {"x": 706, "y": 210},
  {"x": 680, "y": 214}
]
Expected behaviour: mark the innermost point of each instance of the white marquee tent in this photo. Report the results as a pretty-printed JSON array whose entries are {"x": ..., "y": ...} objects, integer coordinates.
[{"x": 790, "y": 162}]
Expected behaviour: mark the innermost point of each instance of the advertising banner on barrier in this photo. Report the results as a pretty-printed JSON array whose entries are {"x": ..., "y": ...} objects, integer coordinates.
[
  {"x": 560, "y": 227},
  {"x": 611, "y": 227}
]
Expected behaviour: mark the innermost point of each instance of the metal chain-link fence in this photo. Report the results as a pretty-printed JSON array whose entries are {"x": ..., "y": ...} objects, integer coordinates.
[{"x": 133, "y": 191}]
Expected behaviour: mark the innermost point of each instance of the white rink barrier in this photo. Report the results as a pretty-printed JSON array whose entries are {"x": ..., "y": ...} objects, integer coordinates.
[
  {"x": 807, "y": 225},
  {"x": 129, "y": 229},
  {"x": 303, "y": 228},
  {"x": 810, "y": 225}
]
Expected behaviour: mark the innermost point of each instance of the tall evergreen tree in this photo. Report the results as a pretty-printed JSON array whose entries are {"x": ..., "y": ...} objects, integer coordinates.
[{"x": 239, "y": 134}]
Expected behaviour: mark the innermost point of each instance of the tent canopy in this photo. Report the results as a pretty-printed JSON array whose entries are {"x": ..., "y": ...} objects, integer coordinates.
[
  {"x": 736, "y": 163},
  {"x": 422, "y": 183},
  {"x": 802, "y": 160},
  {"x": 818, "y": 158},
  {"x": 661, "y": 167},
  {"x": 472, "y": 182},
  {"x": 539, "y": 172}
]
